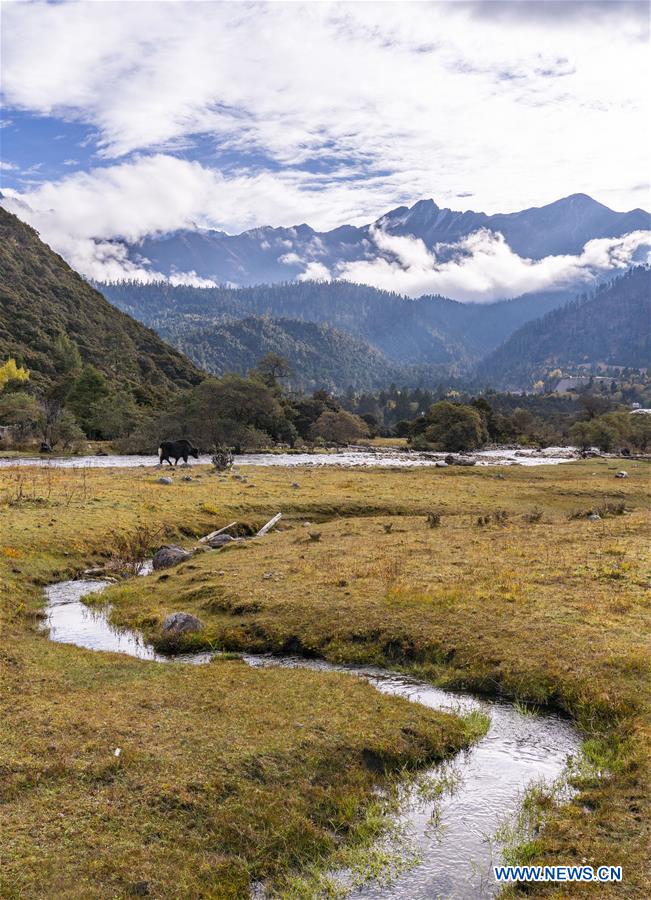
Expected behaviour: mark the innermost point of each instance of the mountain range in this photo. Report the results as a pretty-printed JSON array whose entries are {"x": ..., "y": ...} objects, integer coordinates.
[
  {"x": 321, "y": 357},
  {"x": 336, "y": 334},
  {"x": 339, "y": 335},
  {"x": 271, "y": 255}
]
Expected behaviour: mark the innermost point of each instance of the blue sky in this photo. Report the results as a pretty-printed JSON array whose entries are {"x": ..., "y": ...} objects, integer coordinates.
[{"x": 123, "y": 119}]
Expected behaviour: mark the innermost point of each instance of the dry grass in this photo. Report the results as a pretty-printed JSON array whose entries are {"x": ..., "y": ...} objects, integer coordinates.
[
  {"x": 546, "y": 608},
  {"x": 225, "y": 774}
]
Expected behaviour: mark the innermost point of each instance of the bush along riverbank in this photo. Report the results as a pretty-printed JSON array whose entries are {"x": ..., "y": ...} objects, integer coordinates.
[{"x": 530, "y": 584}]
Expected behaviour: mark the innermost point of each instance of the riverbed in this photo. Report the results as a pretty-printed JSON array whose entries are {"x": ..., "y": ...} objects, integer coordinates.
[{"x": 352, "y": 457}]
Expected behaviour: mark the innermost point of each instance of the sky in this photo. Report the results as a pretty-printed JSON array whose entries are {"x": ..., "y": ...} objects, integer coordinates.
[{"x": 124, "y": 119}]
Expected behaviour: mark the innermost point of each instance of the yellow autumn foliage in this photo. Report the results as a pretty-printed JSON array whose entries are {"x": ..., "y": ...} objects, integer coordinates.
[{"x": 9, "y": 371}]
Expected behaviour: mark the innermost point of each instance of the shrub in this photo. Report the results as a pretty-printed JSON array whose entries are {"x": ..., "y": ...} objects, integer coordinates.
[
  {"x": 339, "y": 427},
  {"x": 130, "y": 549},
  {"x": 454, "y": 427},
  {"x": 222, "y": 458}
]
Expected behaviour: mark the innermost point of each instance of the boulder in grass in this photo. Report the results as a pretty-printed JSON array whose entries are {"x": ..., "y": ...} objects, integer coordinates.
[
  {"x": 621, "y": 475},
  {"x": 166, "y": 480},
  {"x": 169, "y": 556},
  {"x": 181, "y": 623},
  {"x": 219, "y": 540}
]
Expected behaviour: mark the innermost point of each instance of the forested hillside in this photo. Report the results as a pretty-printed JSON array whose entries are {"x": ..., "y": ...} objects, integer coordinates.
[
  {"x": 432, "y": 330},
  {"x": 612, "y": 326},
  {"x": 42, "y": 300},
  {"x": 320, "y": 356}
]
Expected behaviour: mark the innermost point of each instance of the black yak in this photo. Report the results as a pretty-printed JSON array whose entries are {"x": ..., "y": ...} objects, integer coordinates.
[{"x": 176, "y": 450}]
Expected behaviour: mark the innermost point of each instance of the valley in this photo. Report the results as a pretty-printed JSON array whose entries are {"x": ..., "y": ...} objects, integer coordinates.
[
  {"x": 341, "y": 335},
  {"x": 325, "y": 450}
]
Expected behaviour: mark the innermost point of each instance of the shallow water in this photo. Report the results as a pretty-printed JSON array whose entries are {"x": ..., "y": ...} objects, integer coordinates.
[
  {"x": 393, "y": 459},
  {"x": 457, "y": 854}
]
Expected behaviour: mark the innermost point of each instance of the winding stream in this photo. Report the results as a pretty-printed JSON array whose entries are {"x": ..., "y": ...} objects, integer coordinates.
[{"x": 456, "y": 856}]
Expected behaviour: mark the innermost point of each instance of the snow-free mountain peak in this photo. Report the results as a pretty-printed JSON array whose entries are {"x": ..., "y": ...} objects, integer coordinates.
[{"x": 275, "y": 254}]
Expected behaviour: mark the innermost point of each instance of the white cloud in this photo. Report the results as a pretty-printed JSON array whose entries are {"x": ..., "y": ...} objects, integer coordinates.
[
  {"x": 84, "y": 215},
  {"x": 87, "y": 216},
  {"x": 160, "y": 193},
  {"x": 332, "y": 113},
  {"x": 190, "y": 278},
  {"x": 315, "y": 271},
  {"x": 427, "y": 99},
  {"x": 290, "y": 259},
  {"x": 482, "y": 267}
]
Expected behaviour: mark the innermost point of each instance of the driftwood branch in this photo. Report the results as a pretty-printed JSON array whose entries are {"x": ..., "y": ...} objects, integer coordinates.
[
  {"x": 208, "y": 537},
  {"x": 265, "y": 528},
  {"x": 270, "y": 524}
]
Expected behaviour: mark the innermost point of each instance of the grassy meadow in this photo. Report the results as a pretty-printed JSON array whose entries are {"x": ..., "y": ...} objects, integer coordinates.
[{"x": 490, "y": 579}]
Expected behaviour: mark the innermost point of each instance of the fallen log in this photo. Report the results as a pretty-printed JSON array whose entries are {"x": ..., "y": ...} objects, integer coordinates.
[
  {"x": 209, "y": 537},
  {"x": 270, "y": 524}
]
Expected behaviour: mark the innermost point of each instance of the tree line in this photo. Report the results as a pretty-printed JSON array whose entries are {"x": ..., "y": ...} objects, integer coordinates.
[{"x": 253, "y": 411}]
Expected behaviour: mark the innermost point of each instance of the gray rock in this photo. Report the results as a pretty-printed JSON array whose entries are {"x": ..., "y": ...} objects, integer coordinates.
[
  {"x": 594, "y": 517},
  {"x": 460, "y": 460},
  {"x": 621, "y": 475},
  {"x": 166, "y": 480},
  {"x": 441, "y": 464},
  {"x": 187, "y": 478},
  {"x": 220, "y": 540},
  {"x": 181, "y": 623},
  {"x": 169, "y": 556}
]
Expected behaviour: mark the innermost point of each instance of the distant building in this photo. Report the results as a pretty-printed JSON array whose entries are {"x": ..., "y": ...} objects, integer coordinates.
[{"x": 574, "y": 382}]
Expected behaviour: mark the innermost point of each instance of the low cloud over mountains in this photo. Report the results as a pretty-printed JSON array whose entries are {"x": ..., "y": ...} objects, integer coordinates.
[{"x": 423, "y": 249}]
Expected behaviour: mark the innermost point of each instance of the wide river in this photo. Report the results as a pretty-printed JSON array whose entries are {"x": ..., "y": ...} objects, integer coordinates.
[{"x": 395, "y": 459}]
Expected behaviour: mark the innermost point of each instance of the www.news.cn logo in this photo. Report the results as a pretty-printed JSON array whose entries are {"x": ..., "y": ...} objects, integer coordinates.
[{"x": 505, "y": 874}]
